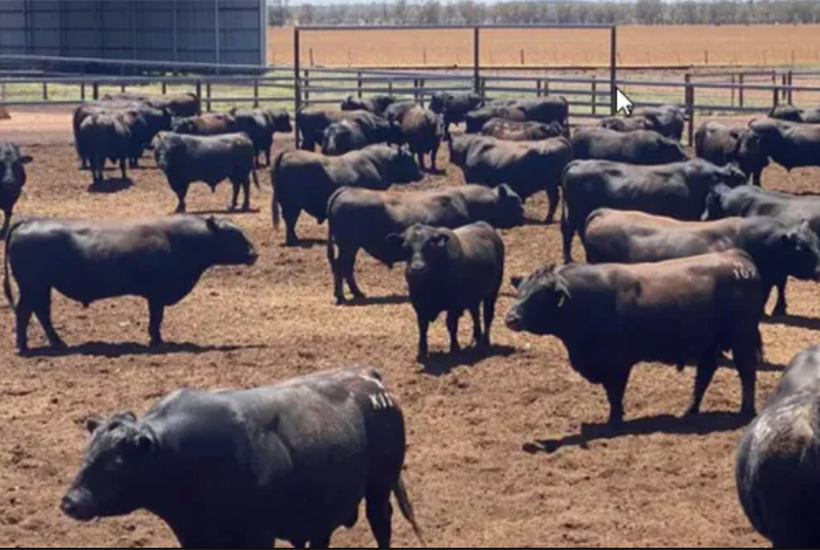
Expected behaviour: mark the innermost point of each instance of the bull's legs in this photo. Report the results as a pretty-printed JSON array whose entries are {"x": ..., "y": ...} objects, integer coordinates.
[
  {"x": 291, "y": 216},
  {"x": 123, "y": 168},
  {"x": 157, "y": 314},
  {"x": 380, "y": 516},
  {"x": 615, "y": 386},
  {"x": 424, "y": 326},
  {"x": 267, "y": 156},
  {"x": 747, "y": 357},
  {"x": 554, "y": 197},
  {"x": 489, "y": 315},
  {"x": 235, "y": 198},
  {"x": 433, "y": 155},
  {"x": 452, "y": 328},
  {"x": 476, "y": 315},
  {"x": 6, "y": 223},
  {"x": 703, "y": 378},
  {"x": 23, "y": 313},
  {"x": 181, "y": 192},
  {"x": 781, "y": 306},
  {"x": 348, "y": 264},
  {"x": 567, "y": 232},
  {"x": 420, "y": 157},
  {"x": 42, "y": 309},
  {"x": 246, "y": 189}
]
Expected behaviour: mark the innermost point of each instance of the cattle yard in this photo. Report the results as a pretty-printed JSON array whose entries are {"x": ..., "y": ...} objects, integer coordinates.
[{"x": 508, "y": 449}]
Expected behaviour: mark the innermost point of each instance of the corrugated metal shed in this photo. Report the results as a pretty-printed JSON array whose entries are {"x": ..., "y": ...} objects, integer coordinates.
[{"x": 204, "y": 31}]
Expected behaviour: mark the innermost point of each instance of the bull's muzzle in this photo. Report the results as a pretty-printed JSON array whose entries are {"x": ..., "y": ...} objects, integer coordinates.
[
  {"x": 77, "y": 507},
  {"x": 514, "y": 322}
]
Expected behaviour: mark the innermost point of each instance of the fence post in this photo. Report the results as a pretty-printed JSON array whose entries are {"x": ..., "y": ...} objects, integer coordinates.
[
  {"x": 538, "y": 85},
  {"x": 791, "y": 84},
  {"x": 783, "y": 91},
  {"x": 390, "y": 87},
  {"x": 613, "y": 70},
  {"x": 256, "y": 94},
  {"x": 307, "y": 85},
  {"x": 82, "y": 90},
  {"x": 45, "y": 91},
  {"x": 297, "y": 90},
  {"x": 594, "y": 95},
  {"x": 199, "y": 95},
  {"x": 164, "y": 87},
  {"x": 733, "y": 90},
  {"x": 95, "y": 87},
  {"x": 740, "y": 92},
  {"x": 122, "y": 87},
  {"x": 416, "y": 90},
  {"x": 208, "y": 95},
  {"x": 359, "y": 84},
  {"x": 775, "y": 94},
  {"x": 422, "y": 84},
  {"x": 546, "y": 87},
  {"x": 690, "y": 108},
  {"x": 476, "y": 59}
]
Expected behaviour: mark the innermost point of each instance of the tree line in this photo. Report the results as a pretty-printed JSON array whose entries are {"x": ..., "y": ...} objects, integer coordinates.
[{"x": 514, "y": 12}]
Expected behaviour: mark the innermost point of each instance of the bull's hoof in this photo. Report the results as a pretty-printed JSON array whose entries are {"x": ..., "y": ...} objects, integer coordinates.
[
  {"x": 246, "y": 208},
  {"x": 58, "y": 345},
  {"x": 339, "y": 301},
  {"x": 779, "y": 311},
  {"x": 748, "y": 413},
  {"x": 156, "y": 342}
]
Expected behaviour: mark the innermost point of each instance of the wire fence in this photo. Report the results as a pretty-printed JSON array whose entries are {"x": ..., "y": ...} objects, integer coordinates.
[{"x": 589, "y": 97}]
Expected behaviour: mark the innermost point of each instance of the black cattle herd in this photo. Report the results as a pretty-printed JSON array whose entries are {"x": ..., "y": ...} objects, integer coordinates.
[{"x": 682, "y": 254}]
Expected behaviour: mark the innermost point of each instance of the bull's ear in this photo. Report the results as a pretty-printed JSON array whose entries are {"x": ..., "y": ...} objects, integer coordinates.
[
  {"x": 394, "y": 241},
  {"x": 144, "y": 445},
  {"x": 91, "y": 424},
  {"x": 441, "y": 239},
  {"x": 516, "y": 281},
  {"x": 212, "y": 224},
  {"x": 563, "y": 294},
  {"x": 25, "y": 159}
]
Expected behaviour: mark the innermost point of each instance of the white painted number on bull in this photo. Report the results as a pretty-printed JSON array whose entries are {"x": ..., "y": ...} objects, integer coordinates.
[
  {"x": 381, "y": 401},
  {"x": 744, "y": 272}
]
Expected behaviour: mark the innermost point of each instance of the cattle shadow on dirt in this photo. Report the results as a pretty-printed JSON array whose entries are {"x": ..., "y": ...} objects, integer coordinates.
[
  {"x": 388, "y": 300},
  {"x": 307, "y": 243},
  {"x": 799, "y": 321},
  {"x": 704, "y": 424},
  {"x": 111, "y": 350},
  {"x": 225, "y": 211},
  {"x": 111, "y": 185},
  {"x": 441, "y": 363}
]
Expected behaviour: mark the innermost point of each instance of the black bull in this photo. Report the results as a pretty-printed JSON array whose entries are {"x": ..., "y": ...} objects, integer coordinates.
[{"x": 242, "y": 469}]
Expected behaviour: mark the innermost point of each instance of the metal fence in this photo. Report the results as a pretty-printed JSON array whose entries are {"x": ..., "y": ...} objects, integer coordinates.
[{"x": 731, "y": 93}]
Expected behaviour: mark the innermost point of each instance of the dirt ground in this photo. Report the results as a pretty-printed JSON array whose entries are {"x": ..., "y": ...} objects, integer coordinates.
[{"x": 504, "y": 450}]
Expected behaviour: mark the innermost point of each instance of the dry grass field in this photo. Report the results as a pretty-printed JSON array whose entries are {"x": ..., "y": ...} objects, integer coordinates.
[
  {"x": 638, "y": 46},
  {"x": 475, "y": 423}
]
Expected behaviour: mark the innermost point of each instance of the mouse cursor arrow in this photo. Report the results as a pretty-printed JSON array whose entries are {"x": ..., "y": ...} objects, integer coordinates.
[{"x": 624, "y": 104}]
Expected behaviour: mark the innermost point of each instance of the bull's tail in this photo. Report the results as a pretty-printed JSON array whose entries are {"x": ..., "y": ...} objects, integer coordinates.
[
  {"x": 406, "y": 508},
  {"x": 331, "y": 250},
  {"x": 6, "y": 278},
  {"x": 275, "y": 200}
]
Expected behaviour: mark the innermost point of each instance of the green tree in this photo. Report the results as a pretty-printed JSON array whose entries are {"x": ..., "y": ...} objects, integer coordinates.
[{"x": 649, "y": 12}]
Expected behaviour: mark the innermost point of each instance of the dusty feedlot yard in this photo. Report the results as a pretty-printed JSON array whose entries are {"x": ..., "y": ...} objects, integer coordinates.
[{"x": 471, "y": 420}]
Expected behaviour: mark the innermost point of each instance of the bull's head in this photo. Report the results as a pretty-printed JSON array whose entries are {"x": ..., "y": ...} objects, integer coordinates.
[
  {"x": 542, "y": 297},
  {"x": 12, "y": 170},
  {"x": 116, "y": 470}
]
